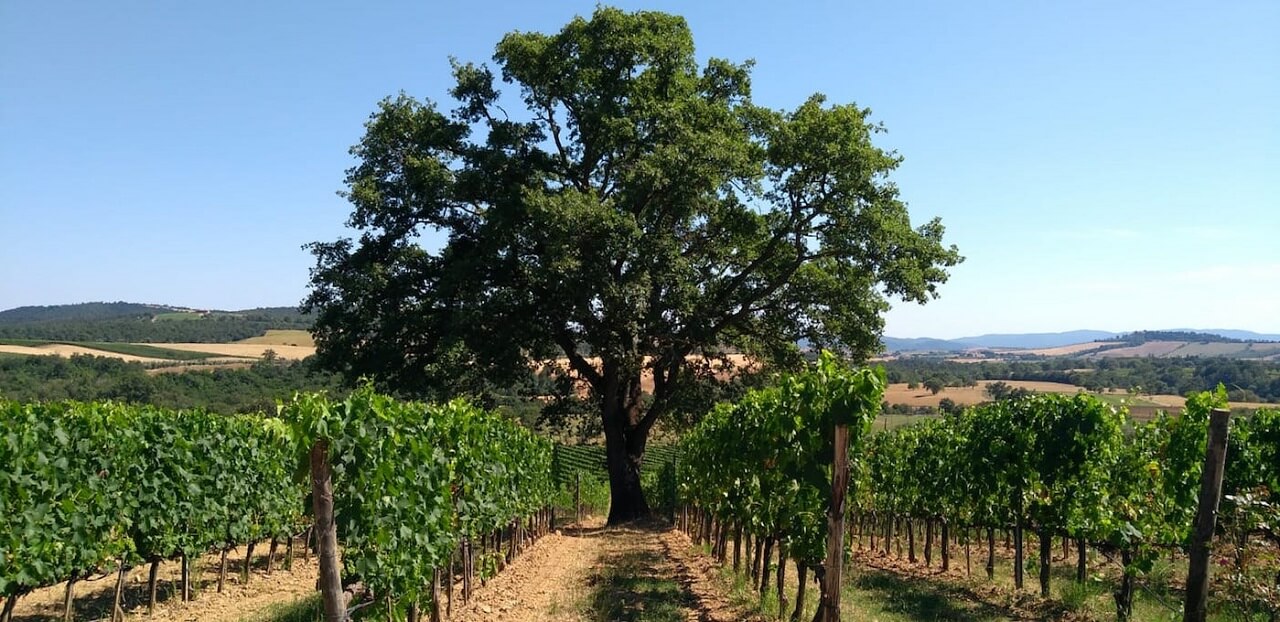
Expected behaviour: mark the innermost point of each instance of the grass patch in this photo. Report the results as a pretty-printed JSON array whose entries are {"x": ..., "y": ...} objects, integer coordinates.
[
  {"x": 283, "y": 337},
  {"x": 630, "y": 589},
  {"x": 308, "y": 609},
  {"x": 138, "y": 349}
]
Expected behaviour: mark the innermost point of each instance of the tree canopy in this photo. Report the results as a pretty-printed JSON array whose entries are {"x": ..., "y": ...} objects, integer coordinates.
[{"x": 628, "y": 210}]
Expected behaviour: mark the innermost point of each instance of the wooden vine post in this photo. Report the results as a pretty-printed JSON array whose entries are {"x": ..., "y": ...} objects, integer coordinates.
[
  {"x": 1196, "y": 606},
  {"x": 335, "y": 607},
  {"x": 833, "y": 567}
]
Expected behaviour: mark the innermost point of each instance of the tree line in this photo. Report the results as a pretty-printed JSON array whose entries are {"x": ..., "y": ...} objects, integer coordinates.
[
  {"x": 1245, "y": 380},
  {"x": 220, "y": 390}
]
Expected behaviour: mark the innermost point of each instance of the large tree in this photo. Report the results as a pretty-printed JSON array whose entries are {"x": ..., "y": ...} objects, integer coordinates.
[{"x": 629, "y": 212}]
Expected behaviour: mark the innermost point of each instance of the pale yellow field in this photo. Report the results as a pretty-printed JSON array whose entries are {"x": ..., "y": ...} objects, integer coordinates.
[
  {"x": 62, "y": 349},
  {"x": 243, "y": 350},
  {"x": 1074, "y": 348},
  {"x": 283, "y": 338},
  {"x": 898, "y": 393}
]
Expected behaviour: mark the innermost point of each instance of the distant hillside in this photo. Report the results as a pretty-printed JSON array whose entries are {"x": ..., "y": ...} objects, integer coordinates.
[
  {"x": 144, "y": 323},
  {"x": 83, "y": 312},
  {"x": 1032, "y": 341},
  {"x": 1015, "y": 340},
  {"x": 921, "y": 344}
]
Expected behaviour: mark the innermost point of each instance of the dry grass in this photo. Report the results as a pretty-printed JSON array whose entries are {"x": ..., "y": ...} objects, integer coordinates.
[
  {"x": 898, "y": 393},
  {"x": 62, "y": 349},
  {"x": 283, "y": 338},
  {"x": 1075, "y": 348},
  {"x": 245, "y": 350}
]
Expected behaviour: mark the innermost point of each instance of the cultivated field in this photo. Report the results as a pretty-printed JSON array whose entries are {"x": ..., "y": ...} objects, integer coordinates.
[
  {"x": 62, "y": 349},
  {"x": 283, "y": 338},
  {"x": 246, "y": 350}
]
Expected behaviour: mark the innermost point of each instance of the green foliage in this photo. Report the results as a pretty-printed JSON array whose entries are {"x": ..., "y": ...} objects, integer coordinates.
[
  {"x": 766, "y": 460},
  {"x": 88, "y": 485},
  {"x": 1256, "y": 380},
  {"x": 636, "y": 205},
  {"x": 410, "y": 479},
  {"x": 93, "y": 378},
  {"x": 121, "y": 322}
]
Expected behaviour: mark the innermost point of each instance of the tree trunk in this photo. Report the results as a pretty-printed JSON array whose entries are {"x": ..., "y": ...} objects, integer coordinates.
[
  {"x": 764, "y": 565},
  {"x": 928, "y": 543},
  {"x": 1082, "y": 560},
  {"x": 991, "y": 553},
  {"x": 248, "y": 563},
  {"x": 625, "y": 438},
  {"x": 271, "y": 555},
  {"x": 946, "y": 545},
  {"x": 737, "y": 547},
  {"x": 888, "y": 536},
  {"x": 968, "y": 540},
  {"x": 151, "y": 586},
  {"x": 1124, "y": 596},
  {"x": 801, "y": 577},
  {"x": 898, "y": 539},
  {"x": 911, "y": 541},
  {"x": 1046, "y": 550},
  {"x": 10, "y": 602},
  {"x": 755, "y": 560},
  {"x": 1017, "y": 553},
  {"x": 820, "y": 579},
  {"x": 222, "y": 570},
  {"x": 330, "y": 580},
  {"x": 782, "y": 580}
]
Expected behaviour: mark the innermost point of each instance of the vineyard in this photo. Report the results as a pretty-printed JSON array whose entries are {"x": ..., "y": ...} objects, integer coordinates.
[
  {"x": 423, "y": 500},
  {"x": 417, "y": 491},
  {"x": 1069, "y": 469}
]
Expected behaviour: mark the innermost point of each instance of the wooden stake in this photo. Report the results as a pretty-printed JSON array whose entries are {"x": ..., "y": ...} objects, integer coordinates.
[
  {"x": 1197, "y": 601},
  {"x": 831, "y": 579},
  {"x": 335, "y": 607},
  {"x": 68, "y": 601}
]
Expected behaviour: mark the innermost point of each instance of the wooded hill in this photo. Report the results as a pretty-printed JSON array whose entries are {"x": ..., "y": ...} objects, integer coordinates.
[{"x": 144, "y": 323}]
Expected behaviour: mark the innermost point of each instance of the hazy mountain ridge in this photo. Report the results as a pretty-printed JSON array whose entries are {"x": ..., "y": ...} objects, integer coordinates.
[{"x": 1050, "y": 340}]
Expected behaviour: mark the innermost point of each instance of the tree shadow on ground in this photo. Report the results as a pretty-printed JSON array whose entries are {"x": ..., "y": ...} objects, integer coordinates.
[
  {"x": 634, "y": 586},
  {"x": 921, "y": 599}
]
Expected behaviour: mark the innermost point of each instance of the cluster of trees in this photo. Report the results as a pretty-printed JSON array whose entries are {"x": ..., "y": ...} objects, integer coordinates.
[
  {"x": 1245, "y": 380},
  {"x": 221, "y": 390}
]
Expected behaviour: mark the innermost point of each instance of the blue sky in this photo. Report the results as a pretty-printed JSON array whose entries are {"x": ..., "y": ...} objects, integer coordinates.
[{"x": 1108, "y": 165}]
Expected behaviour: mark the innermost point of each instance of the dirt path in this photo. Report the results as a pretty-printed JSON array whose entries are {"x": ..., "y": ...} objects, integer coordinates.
[
  {"x": 237, "y": 601},
  {"x": 642, "y": 572}
]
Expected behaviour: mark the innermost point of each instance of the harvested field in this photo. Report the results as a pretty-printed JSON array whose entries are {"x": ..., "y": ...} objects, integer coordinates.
[
  {"x": 245, "y": 350},
  {"x": 1073, "y": 349},
  {"x": 62, "y": 349},
  {"x": 898, "y": 393},
  {"x": 1150, "y": 348},
  {"x": 283, "y": 338}
]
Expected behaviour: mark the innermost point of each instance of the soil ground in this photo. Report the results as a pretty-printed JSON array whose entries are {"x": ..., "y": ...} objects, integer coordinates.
[
  {"x": 644, "y": 571},
  {"x": 237, "y": 601}
]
